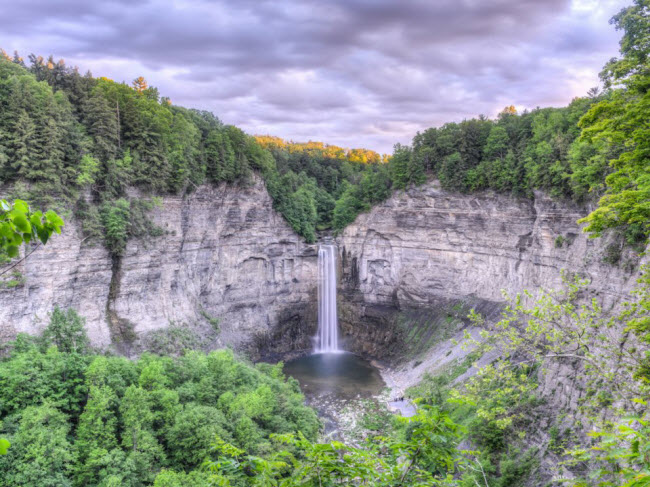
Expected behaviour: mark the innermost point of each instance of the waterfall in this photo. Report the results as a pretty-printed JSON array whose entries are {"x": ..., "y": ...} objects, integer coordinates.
[{"x": 327, "y": 340}]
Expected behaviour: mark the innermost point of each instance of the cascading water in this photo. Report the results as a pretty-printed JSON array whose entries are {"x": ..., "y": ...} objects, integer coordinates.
[{"x": 327, "y": 340}]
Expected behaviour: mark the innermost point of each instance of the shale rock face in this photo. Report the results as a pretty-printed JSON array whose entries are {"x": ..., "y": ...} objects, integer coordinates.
[
  {"x": 425, "y": 244},
  {"x": 229, "y": 268},
  {"x": 419, "y": 261},
  {"x": 67, "y": 273},
  {"x": 225, "y": 255}
]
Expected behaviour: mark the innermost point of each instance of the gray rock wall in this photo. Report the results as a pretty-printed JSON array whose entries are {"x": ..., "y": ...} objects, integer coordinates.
[
  {"x": 225, "y": 254},
  {"x": 426, "y": 243}
]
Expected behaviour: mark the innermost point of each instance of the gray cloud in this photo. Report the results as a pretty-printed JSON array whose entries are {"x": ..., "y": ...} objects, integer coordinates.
[{"x": 352, "y": 72}]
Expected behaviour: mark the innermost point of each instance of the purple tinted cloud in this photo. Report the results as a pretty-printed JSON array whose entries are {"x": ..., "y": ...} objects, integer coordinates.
[{"x": 351, "y": 72}]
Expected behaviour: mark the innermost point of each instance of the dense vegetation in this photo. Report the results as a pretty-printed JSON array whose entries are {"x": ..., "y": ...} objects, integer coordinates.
[
  {"x": 77, "y": 418},
  {"x": 324, "y": 173},
  {"x": 64, "y": 135},
  {"x": 595, "y": 145},
  {"x": 500, "y": 408}
]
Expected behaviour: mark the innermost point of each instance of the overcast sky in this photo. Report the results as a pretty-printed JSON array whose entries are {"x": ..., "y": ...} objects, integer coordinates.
[{"x": 356, "y": 73}]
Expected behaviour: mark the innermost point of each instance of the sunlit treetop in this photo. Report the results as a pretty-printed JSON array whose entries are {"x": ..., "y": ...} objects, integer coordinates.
[{"x": 363, "y": 156}]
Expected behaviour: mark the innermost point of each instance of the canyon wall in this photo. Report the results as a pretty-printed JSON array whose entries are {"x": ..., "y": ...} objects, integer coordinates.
[
  {"x": 226, "y": 260},
  {"x": 426, "y": 244},
  {"x": 230, "y": 268},
  {"x": 416, "y": 264}
]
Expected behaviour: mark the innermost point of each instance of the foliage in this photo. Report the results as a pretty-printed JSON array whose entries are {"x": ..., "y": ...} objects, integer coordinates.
[
  {"x": 320, "y": 186},
  {"x": 92, "y": 419},
  {"x": 554, "y": 326},
  {"x": 427, "y": 456},
  {"x": 122, "y": 219},
  {"x": 84, "y": 141},
  {"x": 621, "y": 121},
  {"x": 63, "y": 132},
  {"x": 172, "y": 340},
  {"x": 41, "y": 454},
  {"x": 18, "y": 225},
  {"x": 67, "y": 331}
]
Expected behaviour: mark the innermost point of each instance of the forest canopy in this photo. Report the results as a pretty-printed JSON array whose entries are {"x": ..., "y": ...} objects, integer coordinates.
[
  {"x": 93, "y": 419},
  {"x": 64, "y": 136}
]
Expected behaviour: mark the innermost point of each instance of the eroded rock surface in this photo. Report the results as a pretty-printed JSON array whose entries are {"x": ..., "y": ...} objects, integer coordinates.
[
  {"x": 225, "y": 255},
  {"x": 425, "y": 244}
]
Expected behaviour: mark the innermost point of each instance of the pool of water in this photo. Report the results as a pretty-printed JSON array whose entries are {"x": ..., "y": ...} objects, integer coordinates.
[
  {"x": 337, "y": 375},
  {"x": 334, "y": 384}
]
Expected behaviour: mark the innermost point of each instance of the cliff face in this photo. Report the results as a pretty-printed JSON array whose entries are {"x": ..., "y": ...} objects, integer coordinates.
[
  {"x": 425, "y": 244},
  {"x": 443, "y": 253},
  {"x": 226, "y": 255}
]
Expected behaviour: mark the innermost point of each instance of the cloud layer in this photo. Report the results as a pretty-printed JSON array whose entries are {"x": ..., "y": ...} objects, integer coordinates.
[{"x": 351, "y": 72}]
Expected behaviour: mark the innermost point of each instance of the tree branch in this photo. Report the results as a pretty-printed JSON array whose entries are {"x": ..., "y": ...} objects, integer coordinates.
[{"x": 21, "y": 260}]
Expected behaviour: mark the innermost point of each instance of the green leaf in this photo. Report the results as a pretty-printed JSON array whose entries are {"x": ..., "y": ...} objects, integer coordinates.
[
  {"x": 6, "y": 231},
  {"x": 21, "y": 222},
  {"x": 43, "y": 235},
  {"x": 54, "y": 219},
  {"x": 12, "y": 251},
  {"x": 21, "y": 206},
  {"x": 35, "y": 220},
  {"x": 4, "y": 446}
]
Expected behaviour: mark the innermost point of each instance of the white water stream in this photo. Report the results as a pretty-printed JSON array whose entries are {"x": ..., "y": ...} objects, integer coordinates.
[{"x": 327, "y": 340}]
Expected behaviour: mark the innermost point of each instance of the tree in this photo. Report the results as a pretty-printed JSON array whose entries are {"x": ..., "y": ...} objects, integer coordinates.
[
  {"x": 67, "y": 331},
  {"x": 102, "y": 123},
  {"x": 169, "y": 478},
  {"x": 192, "y": 434},
  {"x": 622, "y": 120},
  {"x": 96, "y": 434},
  {"x": 399, "y": 165},
  {"x": 552, "y": 327},
  {"x": 116, "y": 217},
  {"x": 140, "y": 84},
  {"x": 497, "y": 143},
  {"x": 41, "y": 455},
  {"x": 427, "y": 457},
  {"x": 145, "y": 453}
]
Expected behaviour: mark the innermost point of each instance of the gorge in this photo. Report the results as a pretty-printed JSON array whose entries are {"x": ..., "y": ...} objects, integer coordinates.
[
  {"x": 409, "y": 271},
  {"x": 183, "y": 304}
]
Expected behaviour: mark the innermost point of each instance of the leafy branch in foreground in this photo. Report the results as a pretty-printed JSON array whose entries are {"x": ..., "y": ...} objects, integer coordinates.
[
  {"x": 427, "y": 456},
  {"x": 18, "y": 225}
]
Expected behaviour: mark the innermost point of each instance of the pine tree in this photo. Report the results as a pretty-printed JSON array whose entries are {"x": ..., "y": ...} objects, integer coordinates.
[
  {"x": 399, "y": 165},
  {"x": 101, "y": 120},
  {"x": 21, "y": 145}
]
